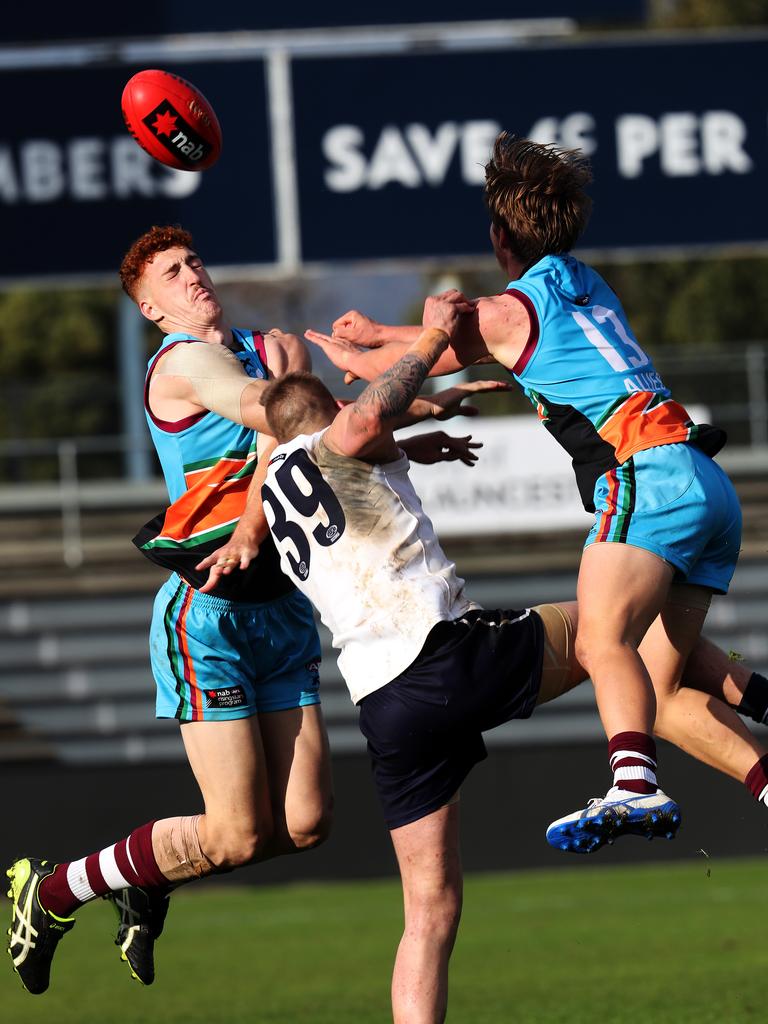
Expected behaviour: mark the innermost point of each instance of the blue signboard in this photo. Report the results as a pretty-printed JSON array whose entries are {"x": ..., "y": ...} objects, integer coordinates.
[
  {"x": 75, "y": 189},
  {"x": 74, "y": 21},
  {"x": 390, "y": 153},
  {"x": 391, "y": 149}
]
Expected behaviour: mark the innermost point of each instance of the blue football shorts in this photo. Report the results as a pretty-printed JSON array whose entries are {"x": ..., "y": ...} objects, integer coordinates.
[
  {"x": 677, "y": 502},
  {"x": 214, "y": 660}
]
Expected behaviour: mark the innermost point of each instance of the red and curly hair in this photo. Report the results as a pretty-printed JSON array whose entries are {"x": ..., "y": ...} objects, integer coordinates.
[{"x": 144, "y": 250}]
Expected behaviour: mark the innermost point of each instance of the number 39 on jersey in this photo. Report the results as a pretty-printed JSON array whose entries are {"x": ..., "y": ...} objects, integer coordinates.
[{"x": 303, "y": 506}]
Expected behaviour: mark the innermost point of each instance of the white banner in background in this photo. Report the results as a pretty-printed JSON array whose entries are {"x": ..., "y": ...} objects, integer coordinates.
[{"x": 522, "y": 482}]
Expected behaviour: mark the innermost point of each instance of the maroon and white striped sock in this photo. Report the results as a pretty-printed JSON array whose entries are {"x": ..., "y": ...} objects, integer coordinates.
[
  {"x": 633, "y": 761},
  {"x": 757, "y": 780},
  {"x": 129, "y": 862}
]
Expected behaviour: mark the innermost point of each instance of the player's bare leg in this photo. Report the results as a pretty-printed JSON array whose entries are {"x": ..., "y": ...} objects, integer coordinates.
[
  {"x": 693, "y": 711},
  {"x": 265, "y": 781},
  {"x": 620, "y": 591},
  {"x": 430, "y": 868},
  {"x": 726, "y": 679},
  {"x": 692, "y": 703},
  {"x": 229, "y": 764},
  {"x": 137, "y": 872},
  {"x": 724, "y": 675},
  {"x": 299, "y": 775},
  {"x": 698, "y": 723},
  {"x": 247, "y": 786}
]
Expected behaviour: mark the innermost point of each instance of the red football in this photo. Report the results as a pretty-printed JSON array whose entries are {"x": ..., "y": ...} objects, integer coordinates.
[{"x": 171, "y": 120}]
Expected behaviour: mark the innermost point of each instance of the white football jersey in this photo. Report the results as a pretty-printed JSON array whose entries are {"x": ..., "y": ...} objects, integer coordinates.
[{"x": 355, "y": 539}]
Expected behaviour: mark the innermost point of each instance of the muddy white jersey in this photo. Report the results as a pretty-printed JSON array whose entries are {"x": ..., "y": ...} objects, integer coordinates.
[{"x": 354, "y": 538}]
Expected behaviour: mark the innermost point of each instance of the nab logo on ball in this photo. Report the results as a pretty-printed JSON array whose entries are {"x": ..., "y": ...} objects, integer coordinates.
[
  {"x": 171, "y": 120},
  {"x": 178, "y": 136}
]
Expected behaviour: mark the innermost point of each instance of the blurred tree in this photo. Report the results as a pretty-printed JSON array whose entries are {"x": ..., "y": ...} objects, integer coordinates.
[
  {"x": 65, "y": 330},
  {"x": 57, "y": 363},
  {"x": 707, "y": 13},
  {"x": 714, "y": 301}
]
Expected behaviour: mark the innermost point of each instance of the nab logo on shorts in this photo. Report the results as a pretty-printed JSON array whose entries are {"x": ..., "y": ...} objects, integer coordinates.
[
  {"x": 177, "y": 135},
  {"x": 227, "y": 697}
]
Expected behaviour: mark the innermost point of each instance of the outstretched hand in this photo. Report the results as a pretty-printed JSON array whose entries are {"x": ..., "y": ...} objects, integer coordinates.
[
  {"x": 448, "y": 403},
  {"x": 438, "y": 446},
  {"x": 237, "y": 553},
  {"x": 338, "y": 350}
]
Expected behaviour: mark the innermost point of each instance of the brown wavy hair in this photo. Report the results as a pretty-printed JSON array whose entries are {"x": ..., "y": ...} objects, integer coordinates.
[
  {"x": 144, "y": 250},
  {"x": 536, "y": 193}
]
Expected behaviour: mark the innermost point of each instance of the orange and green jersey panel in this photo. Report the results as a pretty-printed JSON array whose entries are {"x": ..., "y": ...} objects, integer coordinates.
[{"x": 208, "y": 462}]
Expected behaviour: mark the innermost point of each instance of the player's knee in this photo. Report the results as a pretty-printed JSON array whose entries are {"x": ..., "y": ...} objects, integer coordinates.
[
  {"x": 593, "y": 646},
  {"x": 583, "y": 648},
  {"x": 435, "y": 911},
  {"x": 311, "y": 830},
  {"x": 437, "y": 921},
  {"x": 232, "y": 847}
]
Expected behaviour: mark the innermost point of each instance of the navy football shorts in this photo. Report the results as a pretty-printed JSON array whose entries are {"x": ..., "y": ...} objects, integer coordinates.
[{"x": 424, "y": 728}]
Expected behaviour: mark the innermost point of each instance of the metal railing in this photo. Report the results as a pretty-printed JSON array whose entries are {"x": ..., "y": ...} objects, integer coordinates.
[
  {"x": 68, "y": 493},
  {"x": 732, "y": 384}
]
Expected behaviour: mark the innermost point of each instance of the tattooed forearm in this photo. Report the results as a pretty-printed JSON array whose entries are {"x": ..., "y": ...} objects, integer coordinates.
[{"x": 394, "y": 390}]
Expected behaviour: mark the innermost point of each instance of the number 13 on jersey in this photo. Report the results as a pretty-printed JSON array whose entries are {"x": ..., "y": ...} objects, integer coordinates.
[{"x": 623, "y": 353}]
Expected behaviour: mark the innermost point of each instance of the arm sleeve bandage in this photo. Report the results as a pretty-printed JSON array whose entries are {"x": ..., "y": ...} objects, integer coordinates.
[{"x": 215, "y": 374}]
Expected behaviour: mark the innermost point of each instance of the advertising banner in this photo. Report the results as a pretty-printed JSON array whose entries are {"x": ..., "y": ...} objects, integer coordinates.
[
  {"x": 382, "y": 156},
  {"x": 175, "y": 17},
  {"x": 75, "y": 189},
  {"x": 391, "y": 150}
]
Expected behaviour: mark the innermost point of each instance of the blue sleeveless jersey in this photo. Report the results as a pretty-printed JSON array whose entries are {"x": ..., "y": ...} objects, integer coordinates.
[
  {"x": 593, "y": 386},
  {"x": 205, "y": 446},
  {"x": 208, "y": 462}
]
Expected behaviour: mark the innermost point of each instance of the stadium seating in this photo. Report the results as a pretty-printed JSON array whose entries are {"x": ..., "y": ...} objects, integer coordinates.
[{"x": 75, "y": 683}]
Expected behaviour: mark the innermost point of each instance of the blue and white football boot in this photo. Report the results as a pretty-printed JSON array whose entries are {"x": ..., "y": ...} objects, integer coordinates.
[{"x": 618, "y": 813}]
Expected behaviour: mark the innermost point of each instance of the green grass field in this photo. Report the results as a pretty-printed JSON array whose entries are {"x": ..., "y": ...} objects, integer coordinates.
[{"x": 674, "y": 943}]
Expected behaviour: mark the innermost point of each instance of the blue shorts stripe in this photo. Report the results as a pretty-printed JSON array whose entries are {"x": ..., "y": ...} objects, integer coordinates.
[
  {"x": 627, "y": 497},
  {"x": 175, "y": 655}
]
